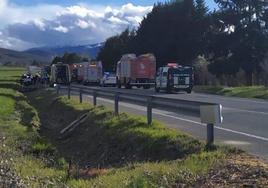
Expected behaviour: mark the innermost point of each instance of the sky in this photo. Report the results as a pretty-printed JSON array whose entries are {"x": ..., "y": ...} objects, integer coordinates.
[{"x": 26, "y": 24}]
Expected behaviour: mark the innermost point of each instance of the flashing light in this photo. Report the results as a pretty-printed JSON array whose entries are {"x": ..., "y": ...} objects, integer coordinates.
[{"x": 173, "y": 65}]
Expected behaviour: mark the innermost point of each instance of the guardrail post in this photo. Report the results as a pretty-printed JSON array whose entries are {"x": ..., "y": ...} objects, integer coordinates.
[
  {"x": 69, "y": 92},
  {"x": 80, "y": 96},
  {"x": 116, "y": 104},
  {"x": 210, "y": 134},
  {"x": 58, "y": 89},
  {"x": 149, "y": 110},
  {"x": 94, "y": 98}
]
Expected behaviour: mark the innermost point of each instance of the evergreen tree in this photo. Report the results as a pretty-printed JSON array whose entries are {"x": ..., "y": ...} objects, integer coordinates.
[
  {"x": 114, "y": 48},
  {"x": 70, "y": 58},
  {"x": 243, "y": 26},
  {"x": 56, "y": 60},
  {"x": 201, "y": 8},
  {"x": 173, "y": 31}
]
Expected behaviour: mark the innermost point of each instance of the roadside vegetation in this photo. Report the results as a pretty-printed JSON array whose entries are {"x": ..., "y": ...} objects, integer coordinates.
[
  {"x": 105, "y": 151},
  {"x": 258, "y": 92}
]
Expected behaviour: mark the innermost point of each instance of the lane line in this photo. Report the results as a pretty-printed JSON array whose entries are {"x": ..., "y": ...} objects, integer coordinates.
[
  {"x": 248, "y": 111},
  {"x": 232, "y": 98},
  {"x": 136, "y": 107},
  {"x": 217, "y": 127}
]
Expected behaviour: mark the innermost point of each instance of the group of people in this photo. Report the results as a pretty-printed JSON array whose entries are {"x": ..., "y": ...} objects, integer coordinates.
[{"x": 34, "y": 80}]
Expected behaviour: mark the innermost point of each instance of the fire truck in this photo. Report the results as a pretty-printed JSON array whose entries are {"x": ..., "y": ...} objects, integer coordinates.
[{"x": 136, "y": 71}]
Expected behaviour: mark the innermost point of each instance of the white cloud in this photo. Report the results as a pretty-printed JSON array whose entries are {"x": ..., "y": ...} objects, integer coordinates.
[
  {"x": 61, "y": 29},
  {"x": 13, "y": 43},
  {"x": 11, "y": 13},
  {"x": 79, "y": 11},
  {"x": 73, "y": 25},
  {"x": 40, "y": 24},
  {"x": 83, "y": 24},
  {"x": 116, "y": 20}
]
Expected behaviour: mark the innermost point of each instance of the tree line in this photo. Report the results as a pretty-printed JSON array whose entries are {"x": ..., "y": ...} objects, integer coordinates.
[
  {"x": 69, "y": 58},
  {"x": 232, "y": 38}
]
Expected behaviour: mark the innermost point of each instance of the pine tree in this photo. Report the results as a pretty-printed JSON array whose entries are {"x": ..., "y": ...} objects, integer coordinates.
[
  {"x": 243, "y": 26},
  {"x": 201, "y": 8}
]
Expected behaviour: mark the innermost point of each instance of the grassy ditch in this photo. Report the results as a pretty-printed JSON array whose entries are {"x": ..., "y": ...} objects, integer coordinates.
[
  {"x": 104, "y": 151},
  {"x": 19, "y": 126},
  {"x": 258, "y": 92},
  {"x": 124, "y": 149}
]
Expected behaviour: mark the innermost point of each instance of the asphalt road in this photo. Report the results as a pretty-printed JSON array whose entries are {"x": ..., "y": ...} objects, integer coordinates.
[{"x": 245, "y": 120}]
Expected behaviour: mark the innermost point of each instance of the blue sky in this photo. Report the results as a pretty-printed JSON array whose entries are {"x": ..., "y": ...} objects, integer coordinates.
[
  {"x": 210, "y": 3},
  {"x": 33, "y": 23}
]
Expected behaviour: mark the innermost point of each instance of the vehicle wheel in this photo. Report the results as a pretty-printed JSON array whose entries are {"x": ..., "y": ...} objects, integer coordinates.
[
  {"x": 168, "y": 90},
  {"x": 51, "y": 85},
  {"x": 146, "y": 87},
  {"x": 128, "y": 86},
  {"x": 189, "y": 91},
  {"x": 118, "y": 84}
]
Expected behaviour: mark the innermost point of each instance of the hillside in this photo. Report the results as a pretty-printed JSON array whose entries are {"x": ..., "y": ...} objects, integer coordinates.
[
  {"x": 85, "y": 50},
  {"x": 45, "y": 54},
  {"x": 20, "y": 58}
]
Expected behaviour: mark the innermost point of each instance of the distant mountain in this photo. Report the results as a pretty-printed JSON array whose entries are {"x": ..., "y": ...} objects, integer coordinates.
[
  {"x": 91, "y": 50},
  {"x": 45, "y": 54},
  {"x": 20, "y": 58}
]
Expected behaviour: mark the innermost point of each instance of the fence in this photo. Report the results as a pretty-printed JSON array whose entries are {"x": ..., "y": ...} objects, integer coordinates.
[{"x": 149, "y": 101}]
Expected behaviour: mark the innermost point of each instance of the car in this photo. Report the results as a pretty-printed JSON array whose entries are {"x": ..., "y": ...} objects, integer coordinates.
[{"x": 109, "y": 79}]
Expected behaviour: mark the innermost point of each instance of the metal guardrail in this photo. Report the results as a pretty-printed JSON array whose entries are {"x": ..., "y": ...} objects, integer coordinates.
[{"x": 149, "y": 101}]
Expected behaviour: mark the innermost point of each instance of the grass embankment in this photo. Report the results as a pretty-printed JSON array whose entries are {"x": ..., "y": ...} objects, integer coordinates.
[
  {"x": 258, "y": 92},
  {"x": 128, "y": 151},
  {"x": 19, "y": 124},
  {"x": 104, "y": 151}
]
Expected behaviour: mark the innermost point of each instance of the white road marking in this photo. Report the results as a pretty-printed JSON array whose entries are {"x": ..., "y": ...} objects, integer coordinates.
[
  {"x": 247, "y": 111},
  {"x": 233, "y": 98},
  {"x": 137, "y": 107}
]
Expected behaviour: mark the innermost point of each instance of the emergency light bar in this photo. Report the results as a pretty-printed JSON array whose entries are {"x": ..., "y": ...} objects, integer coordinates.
[{"x": 173, "y": 65}]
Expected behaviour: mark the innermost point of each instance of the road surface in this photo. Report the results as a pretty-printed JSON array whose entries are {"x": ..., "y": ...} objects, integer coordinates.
[{"x": 245, "y": 120}]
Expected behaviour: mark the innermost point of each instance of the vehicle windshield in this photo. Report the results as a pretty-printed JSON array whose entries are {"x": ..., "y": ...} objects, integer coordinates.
[{"x": 180, "y": 71}]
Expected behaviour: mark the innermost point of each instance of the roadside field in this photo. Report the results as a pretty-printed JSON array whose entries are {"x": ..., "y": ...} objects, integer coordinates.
[{"x": 105, "y": 150}]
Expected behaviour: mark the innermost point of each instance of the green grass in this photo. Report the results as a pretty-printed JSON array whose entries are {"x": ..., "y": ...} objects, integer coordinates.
[
  {"x": 19, "y": 123},
  {"x": 133, "y": 153},
  {"x": 133, "y": 136},
  {"x": 259, "y": 92},
  {"x": 162, "y": 156},
  {"x": 160, "y": 174}
]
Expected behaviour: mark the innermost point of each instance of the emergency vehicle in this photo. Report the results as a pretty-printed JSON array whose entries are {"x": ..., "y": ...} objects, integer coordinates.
[
  {"x": 91, "y": 72},
  {"x": 136, "y": 71},
  {"x": 60, "y": 74},
  {"x": 174, "y": 77}
]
